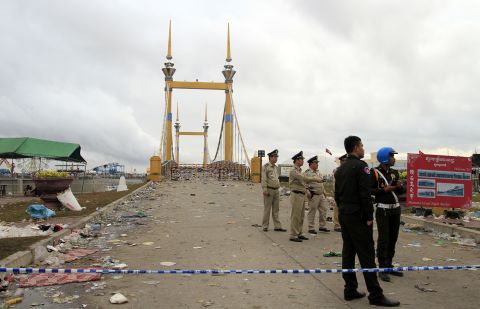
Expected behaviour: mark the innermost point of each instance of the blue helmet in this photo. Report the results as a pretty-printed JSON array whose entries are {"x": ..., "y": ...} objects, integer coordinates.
[{"x": 384, "y": 153}]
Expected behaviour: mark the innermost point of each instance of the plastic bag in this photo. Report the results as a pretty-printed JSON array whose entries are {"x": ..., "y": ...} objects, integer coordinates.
[
  {"x": 39, "y": 211},
  {"x": 68, "y": 200}
]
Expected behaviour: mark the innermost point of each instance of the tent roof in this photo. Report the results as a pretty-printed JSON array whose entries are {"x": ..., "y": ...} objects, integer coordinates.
[{"x": 27, "y": 147}]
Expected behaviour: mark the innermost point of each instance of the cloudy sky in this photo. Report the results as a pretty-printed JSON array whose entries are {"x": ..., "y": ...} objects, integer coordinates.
[{"x": 309, "y": 73}]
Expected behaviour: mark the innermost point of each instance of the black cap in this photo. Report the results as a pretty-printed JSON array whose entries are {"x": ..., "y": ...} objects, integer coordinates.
[
  {"x": 342, "y": 157},
  {"x": 314, "y": 158},
  {"x": 298, "y": 156},
  {"x": 273, "y": 153}
]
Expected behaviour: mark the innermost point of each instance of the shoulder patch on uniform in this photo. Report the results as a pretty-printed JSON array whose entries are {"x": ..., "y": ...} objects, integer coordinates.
[{"x": 366, "y": 169}]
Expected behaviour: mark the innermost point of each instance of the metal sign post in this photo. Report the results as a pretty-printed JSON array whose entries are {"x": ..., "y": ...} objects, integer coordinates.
[{"x": 261, "y": 154}]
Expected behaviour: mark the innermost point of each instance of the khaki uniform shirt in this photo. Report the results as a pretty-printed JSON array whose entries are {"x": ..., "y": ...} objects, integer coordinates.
[
  {"x": 315, "y": 187},
  {"x": 333, "y": 182},
  {"x": 297, "y": 181},
  {"x": 270, "y": 177}
]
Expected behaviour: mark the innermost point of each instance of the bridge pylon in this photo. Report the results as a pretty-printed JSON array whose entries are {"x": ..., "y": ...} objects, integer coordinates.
[{"x": 228, "y": 117}]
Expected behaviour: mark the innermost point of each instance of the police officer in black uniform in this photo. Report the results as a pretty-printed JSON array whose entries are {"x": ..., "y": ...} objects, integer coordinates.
[
  {"x": 386, "y": 187},
  {"x": 352, "y": 195}
]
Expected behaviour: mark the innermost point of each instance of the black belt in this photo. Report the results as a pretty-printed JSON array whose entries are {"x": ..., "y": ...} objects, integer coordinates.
[
  {"x": 272, "y": 188},
  {"x": 298, "y": 192}
]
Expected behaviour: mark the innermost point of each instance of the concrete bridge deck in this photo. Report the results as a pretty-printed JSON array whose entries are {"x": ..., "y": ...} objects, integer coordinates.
[{"x": 200, "y": 225}]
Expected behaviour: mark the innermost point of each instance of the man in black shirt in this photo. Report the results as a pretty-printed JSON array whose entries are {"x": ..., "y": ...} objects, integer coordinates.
[
  {"x": 385, "y": 186},
  {"x": 352, "y": 195}
]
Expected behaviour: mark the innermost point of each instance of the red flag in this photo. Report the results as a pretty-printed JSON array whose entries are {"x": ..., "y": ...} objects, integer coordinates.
[{"x": 328, "y": 151}]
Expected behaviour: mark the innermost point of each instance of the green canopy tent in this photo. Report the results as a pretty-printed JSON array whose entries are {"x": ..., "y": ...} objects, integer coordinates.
[{"x": 27, "y": 147}]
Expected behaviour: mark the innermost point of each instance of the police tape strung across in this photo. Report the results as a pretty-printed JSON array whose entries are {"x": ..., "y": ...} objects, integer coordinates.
[{"x": 29, "y": 270}]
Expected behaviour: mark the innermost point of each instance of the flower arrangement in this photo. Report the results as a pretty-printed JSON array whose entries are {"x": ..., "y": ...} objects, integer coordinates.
[{"x": 51, "y": 174}]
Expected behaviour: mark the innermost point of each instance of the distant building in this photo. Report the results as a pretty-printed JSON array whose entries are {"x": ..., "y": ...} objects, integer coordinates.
[{"x": 400, "y": 165}]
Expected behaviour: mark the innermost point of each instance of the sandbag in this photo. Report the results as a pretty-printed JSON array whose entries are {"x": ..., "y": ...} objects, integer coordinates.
[{"x": 68, "y": 200}]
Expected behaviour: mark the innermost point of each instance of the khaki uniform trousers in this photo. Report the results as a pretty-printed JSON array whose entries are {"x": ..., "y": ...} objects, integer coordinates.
[
  {"x": 298, "y": 214},
  {"x": 271, "y": 204},
  {"x": 336, "y": 223},
  {"x": 317, "y": 202}
]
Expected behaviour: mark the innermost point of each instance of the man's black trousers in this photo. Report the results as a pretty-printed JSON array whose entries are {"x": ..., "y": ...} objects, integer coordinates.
[
  {"x": 358, "y": 240},
  {"x": 388, "y": 224}
]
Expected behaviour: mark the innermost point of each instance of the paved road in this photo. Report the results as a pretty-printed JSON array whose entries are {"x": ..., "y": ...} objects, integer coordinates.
[{"x": 218, "y": 217}]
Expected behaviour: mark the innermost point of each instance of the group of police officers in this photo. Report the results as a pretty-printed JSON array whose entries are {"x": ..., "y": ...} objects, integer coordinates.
[{"x": 357, "y": 191}]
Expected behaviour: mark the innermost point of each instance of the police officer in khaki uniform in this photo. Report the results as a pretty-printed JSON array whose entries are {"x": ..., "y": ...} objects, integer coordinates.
[
  {"x": 317, "y": 200},
  {"x": 270, "y": 186},
  {"x": 336, "y": 222},
  {"x": 297, "y": 183}
]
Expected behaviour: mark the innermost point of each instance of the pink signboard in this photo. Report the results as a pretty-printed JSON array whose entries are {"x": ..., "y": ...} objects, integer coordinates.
[{"x": 439, "y": 181}]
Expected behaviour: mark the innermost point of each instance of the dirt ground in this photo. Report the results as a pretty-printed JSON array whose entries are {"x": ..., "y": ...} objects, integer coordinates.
[
  {"x": 200, "y": 225},
  {"x": 13, "y": 210}
]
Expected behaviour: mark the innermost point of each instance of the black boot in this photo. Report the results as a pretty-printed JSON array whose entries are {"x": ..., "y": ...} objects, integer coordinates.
[
  {"x": 382, "y": 263},
  {"x": 384, "y": 302},
  {"x": 384, "y": 277},
  {"x": 394, "y": 273},
  {"x": 354, "y": 295}
]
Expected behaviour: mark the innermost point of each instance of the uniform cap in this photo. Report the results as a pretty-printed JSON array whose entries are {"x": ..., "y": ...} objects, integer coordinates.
[
  {"x": 312, "y": 159},
  {"x": 298, "y": 156},
  {"x": 273, "y": 153}
]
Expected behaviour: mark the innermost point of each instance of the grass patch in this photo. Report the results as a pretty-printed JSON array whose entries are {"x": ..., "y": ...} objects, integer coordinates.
[
  {"x": 476, "y": 197},
  {"x": 9, "y": 246},
  {"x": 15, "y": 212}
]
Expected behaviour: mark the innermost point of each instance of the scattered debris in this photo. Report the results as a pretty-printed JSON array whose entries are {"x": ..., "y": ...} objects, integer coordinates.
[
  {"x": 66, "y": 299},
  {"x": 39, "y": 211},
  {"x": 47, "y": 279},
  {"x": 332, "y": 254},
  {"x": 414, "y": 227},
  {"x": 37, "y": 304},
  {"x": 77, "y": 253},
  {"x": 68, "y": 200},
  {"x": 466, "y": 242},
  {"x": 205, "y": 303},
  {"x": 10, "y": 231},
  {"x": 14, "y": 301},
  {"x": 414, "y": 244},
  {"x": 424, "y": 289},
  {"x": 118, "y": 298}
]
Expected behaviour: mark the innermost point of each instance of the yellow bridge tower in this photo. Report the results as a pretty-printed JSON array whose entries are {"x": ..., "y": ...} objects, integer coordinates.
[
  {"x": 226, "y": 86},
  {"x": 204, "y": 133}
]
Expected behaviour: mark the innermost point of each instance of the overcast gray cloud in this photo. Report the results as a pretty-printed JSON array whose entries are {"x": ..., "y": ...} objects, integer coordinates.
[{"x": 309, "y": 73}]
